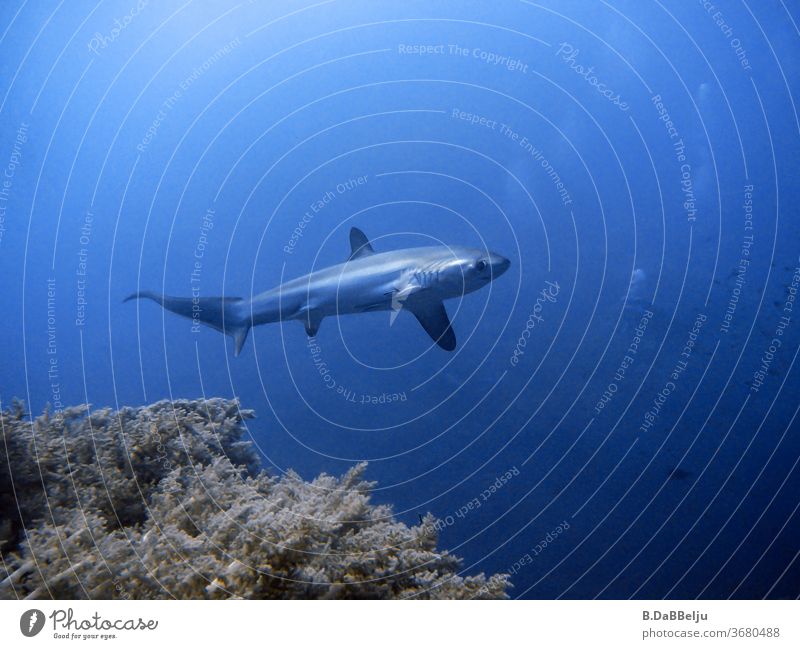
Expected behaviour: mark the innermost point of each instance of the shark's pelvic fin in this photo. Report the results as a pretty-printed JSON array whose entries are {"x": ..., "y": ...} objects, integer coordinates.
[
  {"x": 239, "y": 336},
  {"x": 311, "y": 322},
  {"x": 433, "y": 318},
  {"x": 359, "y": 245},
  {"x": 220, "y": 313},
  {"x": 401, "y": 294}
]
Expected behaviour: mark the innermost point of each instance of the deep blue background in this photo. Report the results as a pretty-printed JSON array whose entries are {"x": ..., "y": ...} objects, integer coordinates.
[{"x": 704, "y": 503}]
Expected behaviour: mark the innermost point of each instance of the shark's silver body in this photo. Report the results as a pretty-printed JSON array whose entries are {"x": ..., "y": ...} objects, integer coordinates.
[{"x": 414, "y": 279}]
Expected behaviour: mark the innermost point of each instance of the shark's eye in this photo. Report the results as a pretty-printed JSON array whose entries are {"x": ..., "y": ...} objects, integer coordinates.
[{"x": 481, "y": 266}]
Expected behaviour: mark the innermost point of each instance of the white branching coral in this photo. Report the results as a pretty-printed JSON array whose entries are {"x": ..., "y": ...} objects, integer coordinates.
[{"x": 169, "y": 501}]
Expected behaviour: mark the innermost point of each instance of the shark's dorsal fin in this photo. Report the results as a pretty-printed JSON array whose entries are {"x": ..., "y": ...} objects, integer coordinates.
[
  {"x": 433, "y": 318},
  {"x": 359, "y": 245}
]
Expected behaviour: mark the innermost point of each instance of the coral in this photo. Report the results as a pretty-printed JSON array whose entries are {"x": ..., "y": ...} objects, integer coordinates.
[{"x": 169, "y": 501}]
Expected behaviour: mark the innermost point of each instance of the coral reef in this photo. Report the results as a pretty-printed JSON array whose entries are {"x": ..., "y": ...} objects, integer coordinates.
[{"x": 169, "y": 501}]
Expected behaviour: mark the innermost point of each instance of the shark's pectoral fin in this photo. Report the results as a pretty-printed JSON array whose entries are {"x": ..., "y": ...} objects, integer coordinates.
[
  {"x": 434, "y": 320},
  {"x": 359, "y": 245},
  {"x": 311, "y": 321}
]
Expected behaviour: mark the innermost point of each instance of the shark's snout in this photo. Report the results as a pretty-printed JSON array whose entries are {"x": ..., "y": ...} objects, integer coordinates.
[{"x": 499, "y": 265}]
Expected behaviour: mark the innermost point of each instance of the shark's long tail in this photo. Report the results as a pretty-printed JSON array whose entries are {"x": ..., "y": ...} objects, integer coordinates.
[{"x": 224, "y": 314}]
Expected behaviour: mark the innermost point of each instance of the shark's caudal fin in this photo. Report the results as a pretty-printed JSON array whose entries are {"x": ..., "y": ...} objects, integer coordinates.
[{"x": 221, "y": 313}]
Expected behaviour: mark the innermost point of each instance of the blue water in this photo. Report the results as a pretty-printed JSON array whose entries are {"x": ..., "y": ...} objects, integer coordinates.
[{"x": 636, "y": 161}]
